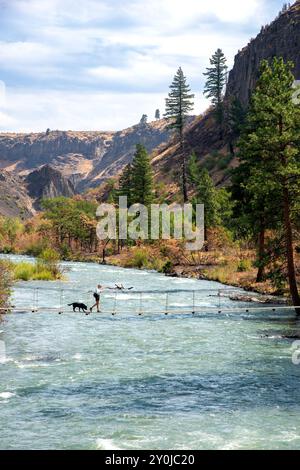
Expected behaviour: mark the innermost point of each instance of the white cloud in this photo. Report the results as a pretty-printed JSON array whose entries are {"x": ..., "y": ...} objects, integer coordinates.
[
  {"x": 2, "y": 94},
  {"x": 13, "y": 54},
  {"x": 141, "y": 68},
  {"x": 80, "y": 111},
  {"x": 7, "y": 122},
  {"x": 170, "y": 12},
  {"x": 111, "y": 46},
  {"x": 57, "y": 11},
  {"x": 176, "y": 13}
]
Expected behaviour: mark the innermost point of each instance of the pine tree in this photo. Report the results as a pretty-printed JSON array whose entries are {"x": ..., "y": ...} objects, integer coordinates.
[
  {"x": 215, "y": 83},
  {"x": 193, "y": 169},
  {"x": 144, "y": 119},
  {"x": 271, "y": 144},
  {"x": 125, "y": 184},
  {"x": 142, "y": 177},
  {"x": 178, "y": 105},
  {"x": 207, "y": 195},
  {"x": 217, "y": 204},
  {"x": 157, "y": 114},
  {"x": 285, "y": 7},
  {"x": 235, "y": 116},
  {"x": 254, "y": 211}
]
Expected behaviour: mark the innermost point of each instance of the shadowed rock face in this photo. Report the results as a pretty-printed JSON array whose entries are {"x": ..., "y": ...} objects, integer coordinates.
[
  {"x": 46, "y": 182},
  {"x": 14, "y": 199},
  {"x": 281, "y": 39},
  {"x": 20, "y": 197},
  {"x": 86, "y": 158},
  {"x": 122, "y": 149}
]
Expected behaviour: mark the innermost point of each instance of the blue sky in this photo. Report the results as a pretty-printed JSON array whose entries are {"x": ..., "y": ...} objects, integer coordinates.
[{"x": 101, "y": 64}]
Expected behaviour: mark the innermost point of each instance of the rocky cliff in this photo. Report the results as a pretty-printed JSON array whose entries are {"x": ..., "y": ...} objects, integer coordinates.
[
  {"x": 14, "y": 198},
  {"x": 122, "y": 149},
  {"x": 47, "y": 183},
  {"x": 281, "y": 39}
]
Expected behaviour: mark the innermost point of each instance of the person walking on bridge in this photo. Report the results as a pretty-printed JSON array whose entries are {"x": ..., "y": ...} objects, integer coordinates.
[
  {"x": 96, "y": 294},
  {"x": 99, "y": 289}
]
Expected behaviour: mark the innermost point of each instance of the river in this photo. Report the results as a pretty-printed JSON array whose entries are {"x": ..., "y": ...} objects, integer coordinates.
[{"x": 182, "y": 381}]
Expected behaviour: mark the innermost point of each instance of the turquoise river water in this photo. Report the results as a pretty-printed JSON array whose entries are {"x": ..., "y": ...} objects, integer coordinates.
[{"x": 182, "y": 381}]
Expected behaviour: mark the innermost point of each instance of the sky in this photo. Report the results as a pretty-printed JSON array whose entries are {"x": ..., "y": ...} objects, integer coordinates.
[{"x": 101, "y": 64}]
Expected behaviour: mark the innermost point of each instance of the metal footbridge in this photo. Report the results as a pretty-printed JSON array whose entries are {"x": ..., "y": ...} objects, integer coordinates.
[{"x": 147, "y": 302}]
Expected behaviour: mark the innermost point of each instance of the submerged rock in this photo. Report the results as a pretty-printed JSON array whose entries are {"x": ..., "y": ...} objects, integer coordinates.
[{"x": 258, "y": 299}]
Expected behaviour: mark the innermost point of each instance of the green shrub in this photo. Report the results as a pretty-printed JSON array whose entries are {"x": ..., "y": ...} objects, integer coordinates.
[
  {"x": 167, "y": 267},
  {"x": 5, "y": 284},
  {"x": 278, "y": 280},
  {"x": 65, "y": 251},
  {"x": 42, "y": 276},
  {"x": 244, "y": 265},
  {"x": 49, "y": 261},
  {"x": 156, "y": 264},
  {"x": 46, "y": 268},
  {"x": 23, "y": 271},
  {"x": 49, "y": 255},
  {"x": 164, "y": 250},
  {"x": 36, "y": 248},
  {"x": 7, "y": 250},
  {"x": 219, "y": 274},
  {"x": 139, "y": 259}
]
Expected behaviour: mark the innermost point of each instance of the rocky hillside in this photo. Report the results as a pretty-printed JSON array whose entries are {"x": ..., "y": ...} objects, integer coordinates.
[
  {"x": 20, "y": 196},
  {"x": 86, "y": 158},
  {"x": 47, "y": 182},
  {"x": 14, "y": 198},
  {"x": 280, "y": 38},
  {"x": 152, "y": 136},
  {"x": 46, "y": 165}
]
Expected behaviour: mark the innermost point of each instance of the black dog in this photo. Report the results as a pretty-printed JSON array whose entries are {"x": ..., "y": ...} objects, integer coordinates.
[{"x": 81, "y": 307}]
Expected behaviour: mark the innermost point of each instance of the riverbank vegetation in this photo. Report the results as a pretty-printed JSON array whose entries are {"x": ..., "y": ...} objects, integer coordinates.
[
  {"x": 45, "y": 268},
  {"x": 6, "y": 280}
]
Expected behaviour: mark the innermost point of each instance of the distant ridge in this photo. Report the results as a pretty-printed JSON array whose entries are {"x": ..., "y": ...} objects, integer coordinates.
[{"x": 86, "y": 158}]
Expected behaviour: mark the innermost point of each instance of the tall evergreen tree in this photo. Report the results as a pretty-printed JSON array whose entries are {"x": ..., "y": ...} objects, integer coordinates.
[
  {"x": 207, "y": 195},
  {"x": 178, "y": 105},
  {"x": 157, "y": 114},
  {"x": 271, "y": 144},
  {"x": 254, "y": 211},
  {"x": 215, "y": 83},
  {"x": 125, "y": 184},
  {"x": 217, "y": 204},
  {"x": 142, "y": 177},
  {"x": 235, "y": 117}
]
